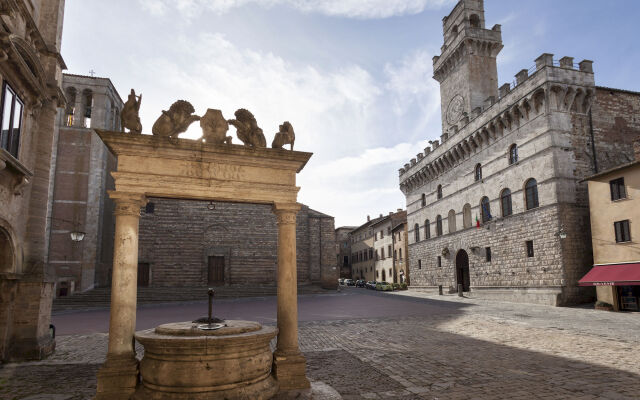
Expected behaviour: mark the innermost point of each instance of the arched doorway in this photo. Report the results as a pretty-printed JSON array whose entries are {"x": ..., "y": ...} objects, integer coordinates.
[
  {"x": 462, "y": 270},
  {"x": 6, "y": 252}
]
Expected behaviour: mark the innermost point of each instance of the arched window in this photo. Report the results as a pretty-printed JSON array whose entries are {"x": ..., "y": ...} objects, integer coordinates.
[
  {"x": 452, "y": 221},
  {"x": 474, "y": 21},
  {"x": 531, "y": 194},
  {"x": 439, "y": 225},
  {"x": 466, "y": 216},
  {"x": 427, "y": 229},
  {"x": 70, "y": 94},
  {"x": 478, "y": 173},
  {"x": 416, "y": 232},
  {"x": 424, "y": 199},
  {"x": 485, "y": 208},
  {"x": 505, "y": 203},
  {"x": 87, "y": 103},
  {"x": 454, "y": 30},
  {"x": 439, "y": 192},
  {"x": 513, "y": 154}
]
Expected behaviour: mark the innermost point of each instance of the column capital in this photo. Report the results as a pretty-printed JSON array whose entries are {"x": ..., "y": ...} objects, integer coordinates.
[
  {"x": 286, "y": 212},
  {"x": 127, "y": 203}
]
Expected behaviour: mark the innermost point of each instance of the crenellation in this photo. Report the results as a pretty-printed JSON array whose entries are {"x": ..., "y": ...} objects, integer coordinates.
[{"x": 566, "y": 62}]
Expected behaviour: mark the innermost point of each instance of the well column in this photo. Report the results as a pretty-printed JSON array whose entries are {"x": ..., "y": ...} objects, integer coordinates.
[
  {"x": 118, "y": 376},
  {"x": 289, "y": 364}
]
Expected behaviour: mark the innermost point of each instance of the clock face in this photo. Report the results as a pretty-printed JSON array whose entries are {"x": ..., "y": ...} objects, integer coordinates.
[{"x": 454, "y": 111}]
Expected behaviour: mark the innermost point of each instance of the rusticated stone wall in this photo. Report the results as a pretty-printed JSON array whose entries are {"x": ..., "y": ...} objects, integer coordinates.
[{"x": 179, "y": 236}]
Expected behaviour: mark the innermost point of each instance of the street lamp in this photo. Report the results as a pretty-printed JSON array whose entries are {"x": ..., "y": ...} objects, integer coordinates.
[{"x": 77, "y": 236}]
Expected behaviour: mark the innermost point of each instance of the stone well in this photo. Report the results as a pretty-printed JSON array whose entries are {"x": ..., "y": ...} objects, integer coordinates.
[{"x": 182, "y": 361}]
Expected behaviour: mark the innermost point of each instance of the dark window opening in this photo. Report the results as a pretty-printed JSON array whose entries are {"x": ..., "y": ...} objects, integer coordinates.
[
  {"x": 150, "y": 208},
  {"x": 623, "y": 233},
  {"x": 416, "y": 232},
  {"x": 529, "y": 248},
  {"x": 10, "y": 120},
  {"x": 419, "y": 264},
  {"x": 439, "y": 260},
  {"x": 531, "y": 194},
  {"x": 424, "y": 199},
  {"x": 505, "y": 202},
  {"x": 439, "y": 225},
  {"x": 513, "y": 154},
  {"x": 487, "y": 251},
  {"x": 478, "y": 172},
  {"x": 618, "y": 190},
  {"x": 427, "y": 229},
  {"x": 439, "y": 192},
  {"x": 485, "y": 209}
]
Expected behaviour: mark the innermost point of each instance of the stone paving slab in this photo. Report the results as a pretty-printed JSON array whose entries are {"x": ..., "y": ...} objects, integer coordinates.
[{"x": 490, "y": 351}]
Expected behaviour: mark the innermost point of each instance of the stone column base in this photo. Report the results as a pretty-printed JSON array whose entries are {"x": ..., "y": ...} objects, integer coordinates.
[
  {"x": 117, "y": 379},
  {"x": 290, "y": 371}
]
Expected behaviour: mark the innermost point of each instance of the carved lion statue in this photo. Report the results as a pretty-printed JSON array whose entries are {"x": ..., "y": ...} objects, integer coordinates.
[
  {"x": 247, "y": 129},
  {"x": 175, "y": 121},
  {"x": 285, "y": 136},
  {"x": 214, "y": 127},
  {"x": 129, "y": 115}
]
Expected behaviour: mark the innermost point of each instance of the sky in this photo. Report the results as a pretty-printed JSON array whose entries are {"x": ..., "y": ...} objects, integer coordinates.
[{"x": 354, "y": 77}]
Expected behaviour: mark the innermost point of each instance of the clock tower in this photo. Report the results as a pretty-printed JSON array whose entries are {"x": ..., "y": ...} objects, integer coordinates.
[{"x": 466, "y": 68}]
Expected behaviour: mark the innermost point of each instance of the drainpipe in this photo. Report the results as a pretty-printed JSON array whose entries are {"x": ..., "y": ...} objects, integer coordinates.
[{"x": 593, "y": 144}]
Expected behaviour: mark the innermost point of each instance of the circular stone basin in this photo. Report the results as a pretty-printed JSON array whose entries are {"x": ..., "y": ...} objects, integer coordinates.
[{"x": 183, "y": 362}]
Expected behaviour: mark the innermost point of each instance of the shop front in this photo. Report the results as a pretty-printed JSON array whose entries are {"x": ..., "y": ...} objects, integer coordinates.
[{"x": 616, "y": 284}]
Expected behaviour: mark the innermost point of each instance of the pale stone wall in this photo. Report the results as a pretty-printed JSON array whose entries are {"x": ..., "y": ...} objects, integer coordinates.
[
  {"x": 548, "y": 114},
  {"x": 384, "y": 242}
]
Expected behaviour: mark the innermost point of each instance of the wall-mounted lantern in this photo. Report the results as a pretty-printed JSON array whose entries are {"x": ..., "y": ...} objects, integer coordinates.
[{"x": 77, "y": 236}]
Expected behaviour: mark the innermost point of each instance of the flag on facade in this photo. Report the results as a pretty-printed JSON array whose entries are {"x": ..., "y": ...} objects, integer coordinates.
[{"x": 477, "y": 221}]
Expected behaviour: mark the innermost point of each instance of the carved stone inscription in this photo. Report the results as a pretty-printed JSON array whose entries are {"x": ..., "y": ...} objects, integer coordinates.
[{"x": 215, "y": 170}]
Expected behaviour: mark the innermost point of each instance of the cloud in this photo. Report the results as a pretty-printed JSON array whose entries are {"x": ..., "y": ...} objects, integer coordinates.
[
  {"x": 341, "y": 113},
  {"x": 362, "y": 9},
  {"x": 414, "y": 92}
]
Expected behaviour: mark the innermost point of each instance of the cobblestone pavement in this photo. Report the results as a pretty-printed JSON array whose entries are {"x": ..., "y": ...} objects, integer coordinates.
[{"x": 486, "y": 350}]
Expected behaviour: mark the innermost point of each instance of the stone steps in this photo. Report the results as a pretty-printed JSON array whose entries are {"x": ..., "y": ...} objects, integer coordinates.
[{"x": 101, "y": 297}]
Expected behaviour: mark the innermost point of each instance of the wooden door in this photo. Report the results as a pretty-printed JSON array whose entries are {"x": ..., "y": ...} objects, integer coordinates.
[
  {"x": 143, "y": 274},
  {"x": 216, "y": 270}
]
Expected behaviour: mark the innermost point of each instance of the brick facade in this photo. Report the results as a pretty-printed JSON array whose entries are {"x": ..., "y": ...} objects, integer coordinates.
[
  {"x": 82, "y": 178},
  {"x": 179, "y": 236}
]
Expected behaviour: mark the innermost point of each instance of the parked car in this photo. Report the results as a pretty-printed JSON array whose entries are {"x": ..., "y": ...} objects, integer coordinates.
[
  {"x": 341, "y": 281},
  {"x": 384, "y": 286},
  {"x": 349, "y": 282},
  {"x": 361, "y": 283},
  {"x": 371, "y": 285}
]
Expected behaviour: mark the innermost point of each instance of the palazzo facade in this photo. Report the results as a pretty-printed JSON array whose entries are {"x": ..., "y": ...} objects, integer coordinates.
[
  {"x": 497, "y": 206},
  {"x": 30, "y": 78}
]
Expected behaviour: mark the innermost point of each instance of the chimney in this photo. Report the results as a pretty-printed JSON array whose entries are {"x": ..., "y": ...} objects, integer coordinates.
[
  {"x": 368, "y": 218},
  {"x": 636, "y": 148},
  {"x": 380, "y": 215},
  {"x": 390, "y": 212},
  {"x": 399, "y": 210}
]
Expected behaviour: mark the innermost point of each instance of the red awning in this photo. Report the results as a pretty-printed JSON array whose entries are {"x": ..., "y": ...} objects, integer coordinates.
[{"x": 612, "y": 275}]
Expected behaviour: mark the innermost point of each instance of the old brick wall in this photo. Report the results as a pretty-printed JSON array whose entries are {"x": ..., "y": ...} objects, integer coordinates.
[
  {"x": 616, "y": 123},
  {"x": 179, "y": 235}
]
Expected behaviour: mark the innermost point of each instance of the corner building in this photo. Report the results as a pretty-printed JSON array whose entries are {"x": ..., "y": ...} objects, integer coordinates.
[
  {"x": 31, "y": 83},
  {"x": 496, "y": 205}
]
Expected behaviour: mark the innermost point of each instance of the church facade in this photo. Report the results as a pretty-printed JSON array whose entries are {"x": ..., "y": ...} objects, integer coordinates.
[{"x": 496, "y": 206}]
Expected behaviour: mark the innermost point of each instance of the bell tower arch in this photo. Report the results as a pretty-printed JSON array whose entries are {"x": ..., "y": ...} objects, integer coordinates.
[{"x": 466, "y": 68}]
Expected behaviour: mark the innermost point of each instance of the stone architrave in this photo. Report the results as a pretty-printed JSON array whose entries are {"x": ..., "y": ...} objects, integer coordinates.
[{"x": 154, "y": 166}]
